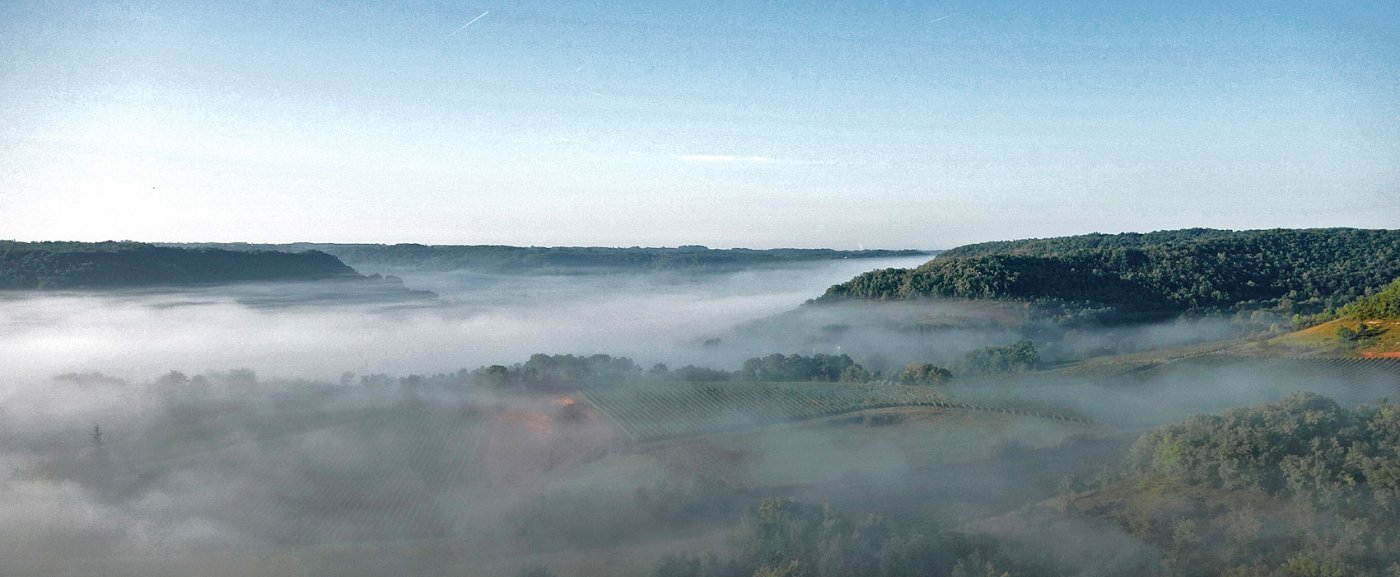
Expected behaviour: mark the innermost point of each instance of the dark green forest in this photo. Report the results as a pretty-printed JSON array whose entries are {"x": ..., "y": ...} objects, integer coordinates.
[
  {"x": 549, "y": 260},
  {"x": 81, "y": 265},
  {"x": 1131, "y": 277}
]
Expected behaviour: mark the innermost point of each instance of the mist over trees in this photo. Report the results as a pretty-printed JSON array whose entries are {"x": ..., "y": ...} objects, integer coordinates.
[
  {"x": 551, "y": 370},
  {"x": 1297, "y": 487},
  {"x": 544, "y": 371},
  {"x": 951, "y": 448},
  {"x": 1300, "y": 487},
  {"x": 1196, "y": 402},
  {"x": 783, "y": 537},
  {"x": 818, "y": 367},
  {"x": 1018, "y": 356},
  {"x": 924, "y": 374}
]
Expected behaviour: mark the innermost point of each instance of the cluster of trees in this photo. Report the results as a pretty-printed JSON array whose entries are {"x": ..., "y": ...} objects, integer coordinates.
[
  {"x": 787, "y": 538},
  {"x": 82, "y": 265},
  {"x": 835, "y": 368},
  {"x": 1384, "y": 304},
  {"x": 1306, "y": 446},
  {"x": 1132, "y": 277},
  {"x": 550, "y": 370},
  {"x": 818, "y": 367},
  {"x": 538, "y": 260},
  {"x": 1364, "y": 334},
  {"x": 1018, "y": 356},
  {"x": 1324, "y": 480},
  {"x": 924, "y": 374},
  {"x": 1015, "y": 357}
]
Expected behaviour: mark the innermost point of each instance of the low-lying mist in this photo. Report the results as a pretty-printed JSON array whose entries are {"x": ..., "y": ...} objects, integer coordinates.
[
  {"x": 476, "y": 320},
  {"x": 278, "y": 430}
]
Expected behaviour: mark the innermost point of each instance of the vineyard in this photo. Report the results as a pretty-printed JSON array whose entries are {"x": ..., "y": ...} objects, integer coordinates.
[
  {"x": 665, "y": 411},
  {"x": 1346, "y": 368}
]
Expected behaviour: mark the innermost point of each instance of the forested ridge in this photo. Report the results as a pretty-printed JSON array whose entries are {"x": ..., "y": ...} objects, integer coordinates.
[
  {"x": 533, "y": 259},
  {"x": 78, "y": 265},
  {"x": 1066, "y": 244},
  {"x": 1155, "y": 275}
]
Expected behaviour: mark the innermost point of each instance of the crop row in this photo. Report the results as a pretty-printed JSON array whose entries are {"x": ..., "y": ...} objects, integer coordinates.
[
  {"x": 670, "y": 411},
  {"x": 1343, "y": 367}
]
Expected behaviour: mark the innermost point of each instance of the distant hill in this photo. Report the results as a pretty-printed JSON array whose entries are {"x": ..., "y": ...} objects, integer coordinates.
[
  {"x": 1128, "y": 277},
  {"x": 81, "y": 265},
  {"x": 1061, "y": 245},
  {"x": 556, "y": 260}
]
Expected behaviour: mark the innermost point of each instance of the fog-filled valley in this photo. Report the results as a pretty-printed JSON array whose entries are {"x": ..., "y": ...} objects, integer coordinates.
[
  {"x": 663, "y": 289},
  {"x": 321, "y": 329},
  {"x": 677, "y": 423}
]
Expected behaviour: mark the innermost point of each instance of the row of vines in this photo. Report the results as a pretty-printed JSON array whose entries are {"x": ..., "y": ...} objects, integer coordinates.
[{"x": 670, "y": 411}]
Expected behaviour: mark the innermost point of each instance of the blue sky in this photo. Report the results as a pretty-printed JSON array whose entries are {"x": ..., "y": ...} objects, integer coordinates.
[{"x": 894, "y": 124}]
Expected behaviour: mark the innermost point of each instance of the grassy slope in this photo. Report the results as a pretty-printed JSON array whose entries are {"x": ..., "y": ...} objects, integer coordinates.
[{"x": 1321, "y": 340}]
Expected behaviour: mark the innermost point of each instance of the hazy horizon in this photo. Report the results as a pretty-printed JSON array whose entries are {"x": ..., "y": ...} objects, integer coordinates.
[
  {"x": 858, "y": 247},
  {"x": 476, "y": 320}
]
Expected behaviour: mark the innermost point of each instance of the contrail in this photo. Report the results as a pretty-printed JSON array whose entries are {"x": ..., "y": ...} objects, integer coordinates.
[
  {"x": 944, "y": 17},
  {"x": 469, "y": 23}
]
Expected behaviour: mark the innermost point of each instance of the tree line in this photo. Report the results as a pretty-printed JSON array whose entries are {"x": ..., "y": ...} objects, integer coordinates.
[
  {"x": 83, "y": 265},
  {"x": 546, "y": 260},
  {"x": 1132, "y": 277},
  {"x": 551, "y": 371},
  {"x": 788, "y": 538}
]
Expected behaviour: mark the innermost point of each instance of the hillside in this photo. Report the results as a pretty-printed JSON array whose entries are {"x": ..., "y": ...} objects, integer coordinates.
[
  {"x": 1067, "y": 244},
  {"x": 552, "y": 260},
  {"x": 1384, "y": 305},
  {"x": 1340, "y": 337},
  {"x": 1366, "y": 327},
  {"x": 78, "y": 265},
  {"x": 1131, "y": 277}
]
